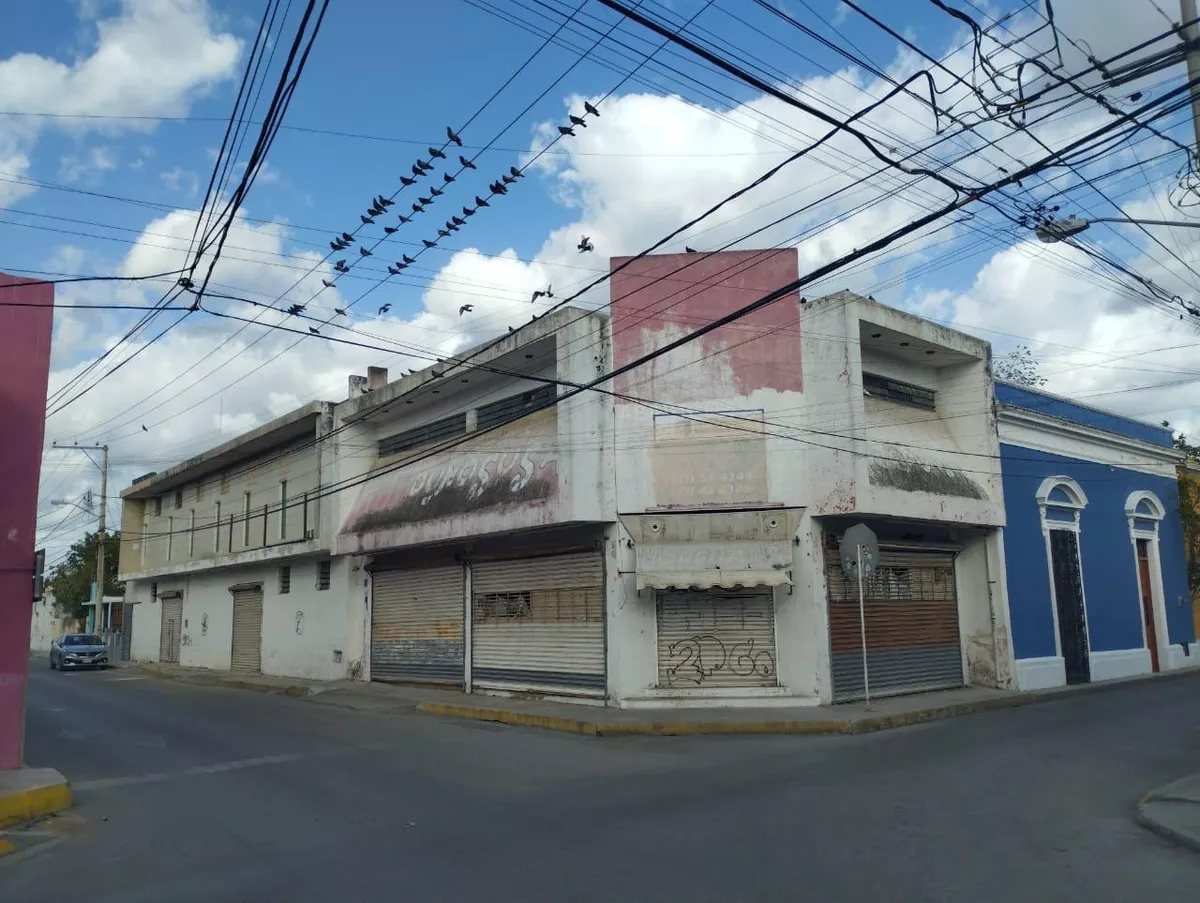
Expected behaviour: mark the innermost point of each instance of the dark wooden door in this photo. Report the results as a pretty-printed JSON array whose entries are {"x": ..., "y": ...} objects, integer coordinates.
[
  {"x": 1143, "y": 560},
  {"x": 1068, "y": 596}
]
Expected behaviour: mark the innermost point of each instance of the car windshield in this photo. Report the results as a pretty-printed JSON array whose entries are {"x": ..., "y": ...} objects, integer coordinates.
[{"x": 81, "y": 639}]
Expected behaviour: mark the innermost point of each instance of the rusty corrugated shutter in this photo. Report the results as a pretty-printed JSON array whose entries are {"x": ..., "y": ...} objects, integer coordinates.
[
  {"x": 417, "y": 625},
  {"x": 538, "y": 624},
  {"x": 716, "y": 638},
  {"x": 247, "y": 629},
  {"x": 911, "y": 610},
  {"x": 170, "y": 630}
]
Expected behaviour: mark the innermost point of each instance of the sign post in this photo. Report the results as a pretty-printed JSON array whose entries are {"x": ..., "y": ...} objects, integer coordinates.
[{"x": 859, "y": 553}]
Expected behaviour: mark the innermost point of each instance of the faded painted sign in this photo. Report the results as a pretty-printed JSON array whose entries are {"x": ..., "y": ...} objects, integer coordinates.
[
  {"x": 716, "y": 460},
  {"x": 506, "y": 469}
]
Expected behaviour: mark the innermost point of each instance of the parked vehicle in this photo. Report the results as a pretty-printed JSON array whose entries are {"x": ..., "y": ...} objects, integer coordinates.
[{"x": 78, "y": 650}]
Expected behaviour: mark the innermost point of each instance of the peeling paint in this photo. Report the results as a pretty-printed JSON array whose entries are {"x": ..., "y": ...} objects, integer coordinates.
[{"x": 914, "y": 476}]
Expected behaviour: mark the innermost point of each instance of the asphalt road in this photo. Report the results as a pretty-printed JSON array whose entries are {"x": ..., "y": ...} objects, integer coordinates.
[{"x": 190, "y": 793}]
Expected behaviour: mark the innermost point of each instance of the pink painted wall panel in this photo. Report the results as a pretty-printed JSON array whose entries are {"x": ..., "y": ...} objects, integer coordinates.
[
  {"x": 24, "y": 371},
  {"x": 662, "y": 297}
]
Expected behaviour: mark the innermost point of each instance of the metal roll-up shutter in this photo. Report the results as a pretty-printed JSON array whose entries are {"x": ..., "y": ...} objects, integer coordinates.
[
  {"x": 170, "y": 630},
  {"x": 247, "y": 629},
  {"x": 538, "y": 624},
  {"x": 126, "y": 631},
  {"x": 911, "y": 610},
  {"x": 716, "y": 638},
  {"x": 417, "y": 625}
]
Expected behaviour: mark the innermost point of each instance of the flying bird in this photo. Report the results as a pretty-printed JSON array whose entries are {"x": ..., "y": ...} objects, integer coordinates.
[
  {"x": 442, "y": 233},
  {"x": 389, "y": 229},
  {"x": 341, "y": 267},
  {"x": 585, "y": 245},
  {"x": 436, "y": 154},
  {"x": 295, "y": 309},
  {"x": 565, "y": 130},
  {"x": 453, "y": 136},
  {"x": 405, "y": 180},
  {"x": 579, "y": 121},
  {"x": 313, "y": 330},
  {"x": 340, "y": 312},
  {"x": 514, "y": 172},
  {"x": 466, "y": 164},
  {"x": 363, "y": 251},
  {"x": 428, "y": 243},
  {"x": 366, "y": 219},
  {"x": 537, "y": 294},
  {"x": 326, "y": 283},
  {"x": 144, "y": 430},
  {"x": 589, "y": 108},
  {"x": 549, "y": 294},
  {"x": 385, "y": 308},
  {"x": 466, "y": 309}
]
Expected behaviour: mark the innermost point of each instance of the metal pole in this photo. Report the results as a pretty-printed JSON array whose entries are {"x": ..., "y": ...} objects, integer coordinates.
[
  {"x": 862, "y": 627},
  {"x": 1187, "y": 11},
  {"x": 100, "y": 541}
]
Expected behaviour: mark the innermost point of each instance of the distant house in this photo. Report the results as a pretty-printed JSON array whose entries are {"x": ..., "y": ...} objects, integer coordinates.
[{"x": 1096, "y": 571}]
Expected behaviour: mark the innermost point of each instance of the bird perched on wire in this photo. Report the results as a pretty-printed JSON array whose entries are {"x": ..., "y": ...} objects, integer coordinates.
[
  {"x": 340, "y": 312},
  {"x": 467, "y": 211},
  {"x": 507, "y": 179},
  {"x": 408, "y": 261},
  {"x": 366, "y": 219},
  {"x": 578, "y": 120},
  {"x": 338, "y": 245},
  {"x": 447, "y": 178},
  {"x": 425, "y": 202},
  {"x": 405, "y": 180},
  {"x": 436, "y": 154},
  {"x": 514, "y": 172},
  {"x": 497, "y": 187},
  {"x": 428, "y": 243},
  {"x": 326, "y": 283},
  {"x": 590, "y": 109},
  {"x": 424, "y": 167},
  {"x": 363, "y": 252},
  {"x": 436, "y": 192},
  {"x": 374, "y": 210},
  {"x": 585, "y": 245},
  {"x": 442, "y": 233},
  {"x": 457, "y": 221},
  {"x": 565, "y": 130},
  {"x": 347, "y": 238},
  {"x": 418, "y": 208},
  {"x": 480, "y": 202},
  {"x": 466, "y": 164},
  {"x": 385, "y": 308},
  {"x": 388, "y": 230},
  {"x": 417, "y": 171},
  {"x": 383, "y": 203},
  {"x": 466, "y": 309},
  {"x": 341, "y": 267},
  {"x": 313, "y": 330},
  {"x": 295, "y": 309},
  {"x": 393, "y": 270},
  {"x": 405, "y": 219},
  {"x": 453, "y": 136}
]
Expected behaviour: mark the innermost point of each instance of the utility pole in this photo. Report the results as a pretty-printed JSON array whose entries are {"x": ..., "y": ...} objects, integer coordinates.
[
  {"x": 1191, "y": 34},
  {"x": 103, "y": 449}
]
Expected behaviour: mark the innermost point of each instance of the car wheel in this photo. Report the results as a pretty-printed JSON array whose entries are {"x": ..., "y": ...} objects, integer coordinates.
[{"x": 52, "y": 663}]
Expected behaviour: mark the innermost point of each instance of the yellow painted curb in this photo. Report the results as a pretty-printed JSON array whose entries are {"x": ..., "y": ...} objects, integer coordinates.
[
  {"x": 22, "y": 805},
  {"x": 7, "y": 846},
  {"x": 234, "y": 683}
]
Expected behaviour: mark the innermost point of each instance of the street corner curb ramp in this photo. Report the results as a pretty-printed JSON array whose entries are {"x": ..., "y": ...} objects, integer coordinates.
[
  {"x": 1173, "y": 812},
  {"x": 752, "y": 724},
  {"x": 28, "y": 793}
]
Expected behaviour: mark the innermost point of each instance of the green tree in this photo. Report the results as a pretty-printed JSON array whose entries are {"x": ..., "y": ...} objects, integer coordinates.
[
  {"x": 71, "y": 580},
  {"x": 1019, "y": 366},
  {"x": 1189, "y": 511}
]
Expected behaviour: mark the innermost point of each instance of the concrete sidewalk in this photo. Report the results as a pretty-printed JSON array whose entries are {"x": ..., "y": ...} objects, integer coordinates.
[
  {"x": 1173, "y": 811},
  {"x": 603, "y": 721}
]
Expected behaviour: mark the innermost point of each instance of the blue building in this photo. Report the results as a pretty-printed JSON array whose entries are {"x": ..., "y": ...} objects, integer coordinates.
[{"x": 1094, "y": 553}]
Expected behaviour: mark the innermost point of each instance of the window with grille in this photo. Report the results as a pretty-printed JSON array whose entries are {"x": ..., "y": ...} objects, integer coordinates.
[
  {"x": 875, "y": 386},
  {"x": 514, "y": 406},
  {"x": 323, "y": 569},
  {"x": 427, "y": 433},
  {"x": 285, "y": 580}
]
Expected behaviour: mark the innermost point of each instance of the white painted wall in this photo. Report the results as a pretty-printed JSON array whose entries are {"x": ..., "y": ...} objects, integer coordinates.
[{"x": 46, "y": 625}]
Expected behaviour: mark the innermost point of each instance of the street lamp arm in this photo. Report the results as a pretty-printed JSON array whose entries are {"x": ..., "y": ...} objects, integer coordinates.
[{"x": 1145, "y": 222}]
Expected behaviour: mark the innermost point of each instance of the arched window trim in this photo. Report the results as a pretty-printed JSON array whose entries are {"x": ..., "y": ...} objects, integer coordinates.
[
  {"x": 1077, "y": 497},
  {"x": 1134, "y": 501}
]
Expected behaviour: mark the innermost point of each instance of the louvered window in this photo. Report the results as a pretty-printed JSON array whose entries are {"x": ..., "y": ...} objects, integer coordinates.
[
  {"x": 885, "y": 387},
  {"x": 514, "y": 406},
  {"x": 426, "y": 434}
]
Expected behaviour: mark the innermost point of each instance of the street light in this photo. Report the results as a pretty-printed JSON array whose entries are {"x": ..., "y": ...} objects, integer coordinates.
[{"x": 1061, "y": 229}]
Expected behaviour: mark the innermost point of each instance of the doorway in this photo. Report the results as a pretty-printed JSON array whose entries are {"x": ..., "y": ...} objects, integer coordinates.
[
  {"x": 1147, "y": 593},
  {"x": 1068, "y": 601}
]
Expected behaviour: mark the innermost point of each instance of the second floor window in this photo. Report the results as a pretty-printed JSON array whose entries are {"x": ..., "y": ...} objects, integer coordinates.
[{"x": 876, "y": 386}]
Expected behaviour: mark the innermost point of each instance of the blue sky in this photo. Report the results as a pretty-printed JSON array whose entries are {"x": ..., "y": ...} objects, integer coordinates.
[{"x": 397, "y": 74}]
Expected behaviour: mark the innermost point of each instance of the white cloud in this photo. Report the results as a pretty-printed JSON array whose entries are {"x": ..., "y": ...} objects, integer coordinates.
[
  {"x": 180, "y": 179},
  {"x": 97, "y": 161}
]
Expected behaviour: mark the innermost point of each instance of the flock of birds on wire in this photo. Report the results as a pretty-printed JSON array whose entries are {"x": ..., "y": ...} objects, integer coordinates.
[{"x": 381, "y": 205}]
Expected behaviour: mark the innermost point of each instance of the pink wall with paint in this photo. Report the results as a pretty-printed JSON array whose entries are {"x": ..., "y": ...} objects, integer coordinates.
[
  {"x": 662, "y": 297},
  {"x": 24, "y": 369}
]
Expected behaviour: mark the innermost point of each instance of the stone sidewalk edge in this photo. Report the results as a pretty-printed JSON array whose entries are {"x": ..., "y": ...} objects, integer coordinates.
[{"x": 1164, "y": 796}]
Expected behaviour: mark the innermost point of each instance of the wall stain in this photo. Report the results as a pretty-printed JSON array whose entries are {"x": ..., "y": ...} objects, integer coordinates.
[{"x": 914, "y": 476}]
